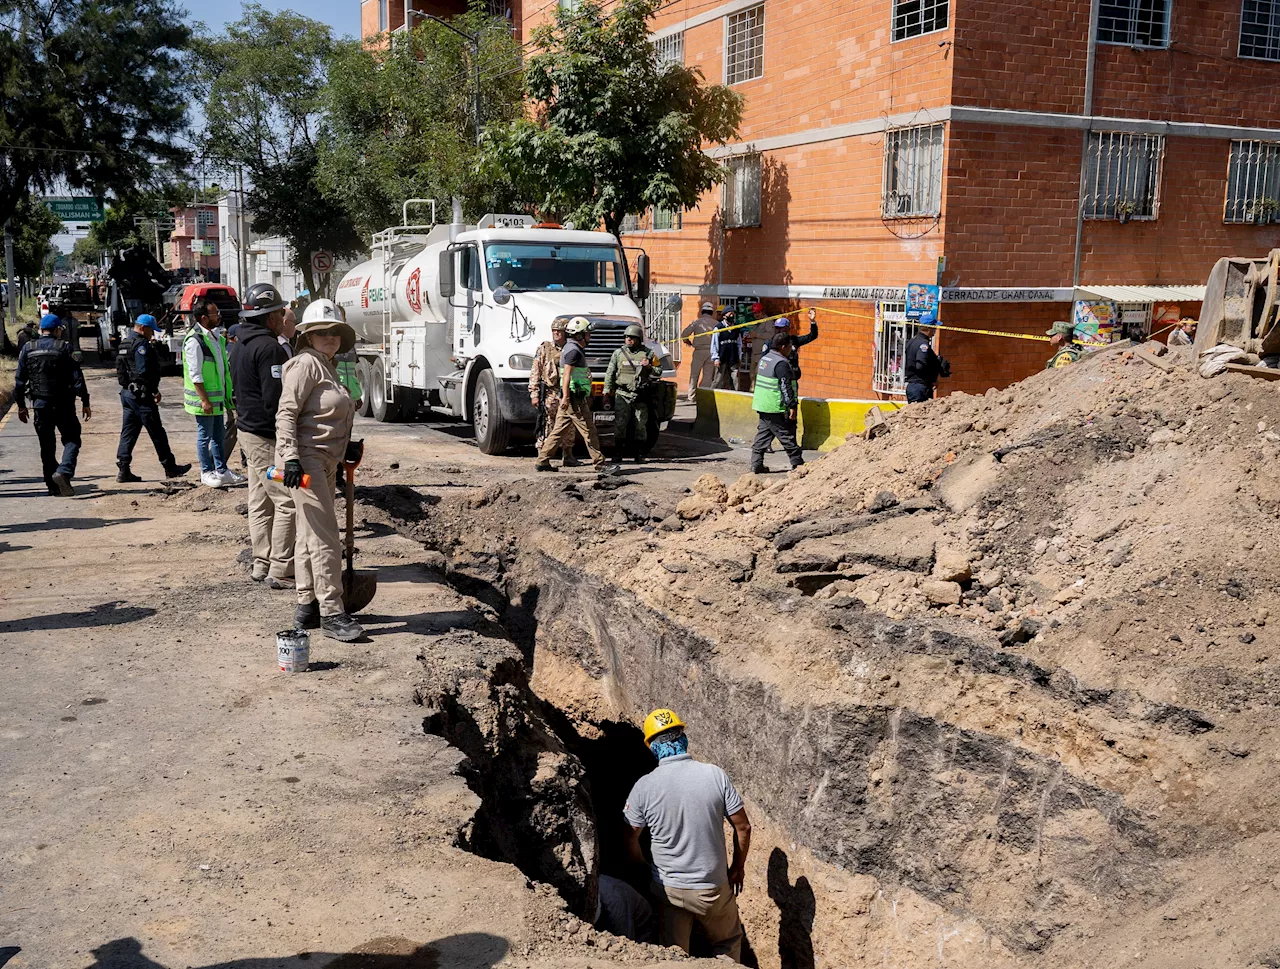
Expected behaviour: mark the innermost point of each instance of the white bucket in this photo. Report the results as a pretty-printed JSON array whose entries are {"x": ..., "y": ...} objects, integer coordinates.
[{"x": 293, "y": 648}]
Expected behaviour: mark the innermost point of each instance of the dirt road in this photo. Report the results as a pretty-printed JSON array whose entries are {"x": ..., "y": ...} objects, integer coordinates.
[{"x": 171, "y": 799}]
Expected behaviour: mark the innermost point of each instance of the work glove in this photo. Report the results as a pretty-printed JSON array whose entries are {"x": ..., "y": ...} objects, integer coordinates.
[
  {"x": 355, "y": 452},
  {"x": 293, "y": 473}
]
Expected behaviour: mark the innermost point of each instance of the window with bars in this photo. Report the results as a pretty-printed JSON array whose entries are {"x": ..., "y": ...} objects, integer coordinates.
[
  {"x": 669, "y": 49},
  {"x": 744, "y": 45},
  {"x": 630, "y": 223},
  {"x": 666, "y": 219},
  {"x": 1122, "y": 175},
  {"x": 911, "y": 18},
  {"x": 912, "y": 172},
  {"x": 662, "y": 319},
  {"x": 893, "y": 331},
  {"x": 1135, "y": 23},
  {"x": 742, "y": 192},
  {"x": 1260, "y": 29},
  {"x": 1253, "y": 183}
]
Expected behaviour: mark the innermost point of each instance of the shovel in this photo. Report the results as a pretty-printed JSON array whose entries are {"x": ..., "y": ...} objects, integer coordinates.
[{"x": 358, "y": 588}]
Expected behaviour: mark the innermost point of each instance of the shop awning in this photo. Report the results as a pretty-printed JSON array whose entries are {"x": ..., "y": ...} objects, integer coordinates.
[{"x": 1143, "y": 294}]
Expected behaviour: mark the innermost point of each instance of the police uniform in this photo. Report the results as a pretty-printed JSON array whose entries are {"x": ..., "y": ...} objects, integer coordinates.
[
  {"x": 138, "y": 370},
  {"x": 776, "y": 393},
  {"x": 630, "y": 372},
  {"x": 50, "y": 376}
]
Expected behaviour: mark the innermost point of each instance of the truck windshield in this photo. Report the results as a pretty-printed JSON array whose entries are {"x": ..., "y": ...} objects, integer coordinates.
[{"x": 538, "y": 266}]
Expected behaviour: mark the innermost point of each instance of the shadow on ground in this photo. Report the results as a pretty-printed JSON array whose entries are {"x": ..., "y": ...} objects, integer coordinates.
[{"x": 107, "y": 614}]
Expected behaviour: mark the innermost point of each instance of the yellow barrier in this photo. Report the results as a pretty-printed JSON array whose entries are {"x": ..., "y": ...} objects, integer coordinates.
[{"x": 728, "y": 415}]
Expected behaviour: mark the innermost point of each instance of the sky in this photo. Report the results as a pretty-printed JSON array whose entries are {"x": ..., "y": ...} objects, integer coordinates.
[{"x": 342, "y": 15}]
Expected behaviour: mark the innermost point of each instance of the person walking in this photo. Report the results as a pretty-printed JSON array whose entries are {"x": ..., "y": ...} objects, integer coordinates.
[
  {"x": 632, "y": 370},
  {"x": 777, "y": 403},
  {"x": 725, "y": 352},
  {"x": 313, "y": 433},
  {"x": 138, "y": 371},
  {"x": 683, "y": 804},
  {"x": 29, "y": 333},
  {"x": 696, "y": 335},
  {"x": 206, "y": 391},
  {"x": 575, "y": 394},
  {"x": 257, "y": 361},
  {"x": 49, "y": 375},
  {"x": 922, "y": 366},
  {"x": 544, "y": 391}
]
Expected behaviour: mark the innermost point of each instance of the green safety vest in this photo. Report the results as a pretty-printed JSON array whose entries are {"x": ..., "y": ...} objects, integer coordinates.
[
  {"x": 579, "y": 378},
  {"x": 767, "y": 398},
  {"x": 346, "y": 364},
  {"x": 209, "y": 346}
]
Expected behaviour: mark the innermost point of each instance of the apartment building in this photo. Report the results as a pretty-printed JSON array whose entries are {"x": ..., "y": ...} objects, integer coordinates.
[
  {"x": 383, "y": 16},
  {"x": 193, "y": 248}
]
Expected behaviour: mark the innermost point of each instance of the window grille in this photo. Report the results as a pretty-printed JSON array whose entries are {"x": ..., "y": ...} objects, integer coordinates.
[
  {"x": 669, "y": 49},
  {"x": 893, "y": 330},
  {"x": 1260, "y": 29},
  {"x": 1253, "y": 183},
  {"x": 1134, "y": 320},
  {"x": 911, "y": 18},
  {"x": 744, "y": 45},
  {"x": 664, "y": 219},
  {"x": 1122, "y": 175},
  {"x": 1136, "y": 23},
  {"x": 912, "y": 172},
  {"x": 205, "y": 218},
  {"x": 630, "y": 223},
  {"x": 742, "y": 192},
  {"x": 662, "y": 324}
]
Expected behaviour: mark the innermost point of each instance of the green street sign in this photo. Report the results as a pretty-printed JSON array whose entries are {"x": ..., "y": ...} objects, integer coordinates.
[{"x": 76, "y": 209}]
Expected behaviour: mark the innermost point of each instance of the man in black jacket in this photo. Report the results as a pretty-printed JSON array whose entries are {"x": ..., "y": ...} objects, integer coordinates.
[
  {"x": 51, "y": 377},
  {"x": 797, "y": 341},
  {"x": 923, "y": 366},
  {"x": 256, "y": 361},
  {"x": 138, "y": 370}
]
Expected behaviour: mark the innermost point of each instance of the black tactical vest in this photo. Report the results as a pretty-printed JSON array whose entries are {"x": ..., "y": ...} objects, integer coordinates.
[{"x": 49, "y": 372}]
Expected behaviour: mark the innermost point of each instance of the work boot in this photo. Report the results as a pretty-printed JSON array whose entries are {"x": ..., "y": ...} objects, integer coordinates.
[
  {"x": 277, "y": 584},
  {"x": 569, "y": 461},
  {"x": 608, "y": 470},
  {"x": 258, "y": 573},
  {"x": 308, "y": 616},
  {"x": 544, "y": 466},
  {"x": 64, "y": 484},
  {"x": 126, "y": 476},
  {"x": 341, "y": 627},
  {"x": 176, "y": 470}
]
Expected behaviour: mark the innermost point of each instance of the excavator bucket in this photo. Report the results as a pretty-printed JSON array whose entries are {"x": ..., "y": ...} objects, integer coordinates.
[{"x": 1242, "y": 305}]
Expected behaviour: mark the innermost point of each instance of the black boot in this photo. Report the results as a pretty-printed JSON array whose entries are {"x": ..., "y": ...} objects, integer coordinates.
[
  {"x": 308, "y": 616},
  {"x": 125, "y": 476},
  {"x": 341, "y": 627},
  {"x": 176, "y": 470}
]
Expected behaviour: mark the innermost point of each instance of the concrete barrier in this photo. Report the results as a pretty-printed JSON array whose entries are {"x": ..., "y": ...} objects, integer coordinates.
[{"x": 727, "y": 414}]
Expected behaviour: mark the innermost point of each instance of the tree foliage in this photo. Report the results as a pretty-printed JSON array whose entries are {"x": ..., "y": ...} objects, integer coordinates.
[
  {"x": 94, "y": 95},
  {"x": 33, "y": 225},
  {"x": 613, "y": 129},
  {"x": 399, "y": 122}
]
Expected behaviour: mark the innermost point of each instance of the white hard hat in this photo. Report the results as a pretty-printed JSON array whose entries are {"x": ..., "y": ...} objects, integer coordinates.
[
  {"x": 579, "y": 324},
  {"x": 324, "y": 316},
  {"x": 708, "y": 308},
  {"x": 323, "y": 311}
]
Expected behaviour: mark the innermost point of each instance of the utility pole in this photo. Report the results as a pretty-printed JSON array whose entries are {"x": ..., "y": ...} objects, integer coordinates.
[
  {"x": 10, "y": 297},
  {"x": 474, "y": 41}
]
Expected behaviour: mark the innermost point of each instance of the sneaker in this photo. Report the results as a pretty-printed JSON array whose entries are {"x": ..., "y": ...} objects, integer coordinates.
[
  {"x": 230, "y": 479},
  {"x": 211, "y": 479},
  {"x": 308, "y": 616},
  {"x": 569, "y": 461},
  {"x": 176, "y": 470},
  {"x": 544, "y": 466},
  {"x": 125, "y": 476},
  {"x": 341, "y": 627},
  {"x": 274, "y": 583},
  {"x": 64, "y": 484}
]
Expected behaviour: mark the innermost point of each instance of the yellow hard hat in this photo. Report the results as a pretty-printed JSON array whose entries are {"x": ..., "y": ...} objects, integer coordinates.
[{"x": 658, "y": 721}]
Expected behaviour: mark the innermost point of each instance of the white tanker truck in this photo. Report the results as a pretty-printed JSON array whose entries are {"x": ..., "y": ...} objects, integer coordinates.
[{"x": 450, "y": 316}]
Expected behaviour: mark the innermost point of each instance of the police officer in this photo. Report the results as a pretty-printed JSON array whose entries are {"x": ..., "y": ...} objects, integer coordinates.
[
  {"x": 138, "y": 371},
  {"x": 797, "y": 341},
  {"x": 1062, "y": 337},
  {"x": 632, "y": 370},
  {"x": 777, "y": 402},
  {"x": 923, "y": 366},
  {"x": 725, "y": 348},
  {"x": 50, "y": 376}
]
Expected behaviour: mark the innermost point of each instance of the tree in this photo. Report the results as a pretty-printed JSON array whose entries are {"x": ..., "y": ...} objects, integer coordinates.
[
  {"x": 262, "y": 82},
  {"x": 613, "y": 129},
  {"x": 400, "y": 124},
  {"x": 34, "y": 226}
]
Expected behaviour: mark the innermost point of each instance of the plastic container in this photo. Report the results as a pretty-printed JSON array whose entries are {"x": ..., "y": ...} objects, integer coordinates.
[
  {"x": 293, "y": 650},
  {"x": 277, "y": 474}
]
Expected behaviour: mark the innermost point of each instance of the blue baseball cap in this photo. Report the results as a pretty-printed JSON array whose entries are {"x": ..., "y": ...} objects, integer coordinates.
[
  {"x": 146, "y": 319},
  {"x": 233, "y": 330},
  {"x": 50, "y": 321},
  {"x": 783, "y": 323}
]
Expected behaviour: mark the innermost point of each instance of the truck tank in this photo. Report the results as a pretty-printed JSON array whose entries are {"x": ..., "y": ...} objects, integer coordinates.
[{"x": 365, "y": 291}]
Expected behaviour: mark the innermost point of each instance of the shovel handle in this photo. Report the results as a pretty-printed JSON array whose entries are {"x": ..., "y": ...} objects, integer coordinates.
[{"x": 350, "y": 474}]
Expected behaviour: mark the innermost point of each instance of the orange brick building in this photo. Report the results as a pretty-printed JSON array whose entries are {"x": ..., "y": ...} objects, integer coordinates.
[{"x": 1025, "y": 154}]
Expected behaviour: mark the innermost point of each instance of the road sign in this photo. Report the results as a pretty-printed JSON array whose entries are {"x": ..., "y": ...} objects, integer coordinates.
[
  {"x": 80, "y": 209},
  {"x": 322, "y": 261}
]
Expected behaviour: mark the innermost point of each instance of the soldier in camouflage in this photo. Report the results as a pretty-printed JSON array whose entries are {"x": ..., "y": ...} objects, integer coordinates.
[
  {"x": 633, "y": 368},
  {"x": 544, "y": 391}
]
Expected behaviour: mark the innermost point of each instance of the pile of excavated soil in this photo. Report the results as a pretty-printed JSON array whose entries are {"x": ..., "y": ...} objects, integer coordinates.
[{"x": 998, "y": 685}]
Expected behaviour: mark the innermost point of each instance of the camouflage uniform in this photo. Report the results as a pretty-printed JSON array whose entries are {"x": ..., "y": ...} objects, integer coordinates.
[
  {"x": 546, "y": 370},
  {"x": 629, "y": 369}
]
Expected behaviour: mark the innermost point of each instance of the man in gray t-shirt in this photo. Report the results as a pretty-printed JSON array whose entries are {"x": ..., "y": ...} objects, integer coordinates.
[{"x": 684, "y": 803}]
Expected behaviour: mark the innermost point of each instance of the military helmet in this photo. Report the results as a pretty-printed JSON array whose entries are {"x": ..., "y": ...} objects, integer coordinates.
[
  {"x": 558, "y": 324},
  {"x": 1061, "y": 327},
  {"x": 578, "y": 325},
  {"x": 635, "y": 330},
  {"x": 660, "y": 721},
  {"x": 261, "y": 299}
]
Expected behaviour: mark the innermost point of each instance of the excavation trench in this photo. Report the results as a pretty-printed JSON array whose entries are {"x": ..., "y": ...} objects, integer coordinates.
[{"x": 907, "y": 827}]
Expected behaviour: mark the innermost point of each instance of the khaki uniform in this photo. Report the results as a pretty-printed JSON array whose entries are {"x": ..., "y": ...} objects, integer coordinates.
[
  {"x": 628, "y": 370},
  {"x": 271, "y": 525},
  {"x": 714, "y": 909},
  {"x": 546, "y": 370},
  {"x": 313, "y": 426},
  {"x": 701, "y": 371}
]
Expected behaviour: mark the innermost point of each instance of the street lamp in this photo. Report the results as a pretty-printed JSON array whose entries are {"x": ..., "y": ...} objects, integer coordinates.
[{"x": 473, "y": 40}]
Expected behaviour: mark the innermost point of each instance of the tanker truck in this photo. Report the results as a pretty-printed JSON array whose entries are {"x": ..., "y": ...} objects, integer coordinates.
[{"x": 449, "y": 317}]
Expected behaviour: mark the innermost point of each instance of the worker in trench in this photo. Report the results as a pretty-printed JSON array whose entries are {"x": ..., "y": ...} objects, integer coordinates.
[{"x": 683, "y": 804}]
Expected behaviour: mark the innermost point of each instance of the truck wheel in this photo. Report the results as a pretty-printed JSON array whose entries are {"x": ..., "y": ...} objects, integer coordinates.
[
  {"x": 383, "y": 410},
  {"x": 493, "y": 432},
  {"x": 364, "y": 374}
]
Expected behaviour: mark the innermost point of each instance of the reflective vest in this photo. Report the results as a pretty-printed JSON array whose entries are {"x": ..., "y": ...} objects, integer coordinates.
[
  {"x": 211, "y": 348},
  {"x": 579, "y": 378},
  {"x": 346, "y": 364},
  {"x": 767, "y": 398},
  {"x": 1063, "y": 358}
]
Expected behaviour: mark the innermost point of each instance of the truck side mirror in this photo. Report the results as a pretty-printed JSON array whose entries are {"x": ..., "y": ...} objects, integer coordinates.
[
  {"x": 642, "y": 276},
  {"x": 446, "y": 274}
]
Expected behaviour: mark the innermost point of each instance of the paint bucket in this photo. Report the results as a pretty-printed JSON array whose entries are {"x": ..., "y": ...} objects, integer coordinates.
[{"x": 293, "y": 649}]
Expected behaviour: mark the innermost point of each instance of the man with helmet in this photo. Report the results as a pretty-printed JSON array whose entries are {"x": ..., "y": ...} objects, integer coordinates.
[
  {"x": 575, "y": 393},
  {"x": 257, "y": 360},
  {"x": 633, "y": 368},
  {"x": 207, "y": 392},
  {"x": 696, "y": 335},
  {"x": 544, "y": 390},
  {"x": 50, "y": 376},
  {"x": 138, "y": 372},
  {"x": 1062, "y": 337},
  {"x": 684, "y": 803}
]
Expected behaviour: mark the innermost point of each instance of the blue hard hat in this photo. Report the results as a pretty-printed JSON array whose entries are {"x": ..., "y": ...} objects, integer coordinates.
[
  {"x": 146, "y": 319},
  {"x": 780, "y": 324},
  {"x": 50, "y": 321}
]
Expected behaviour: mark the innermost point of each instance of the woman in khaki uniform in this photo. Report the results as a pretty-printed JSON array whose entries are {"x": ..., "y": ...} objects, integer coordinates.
[{"x": 313, "y": 430}]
